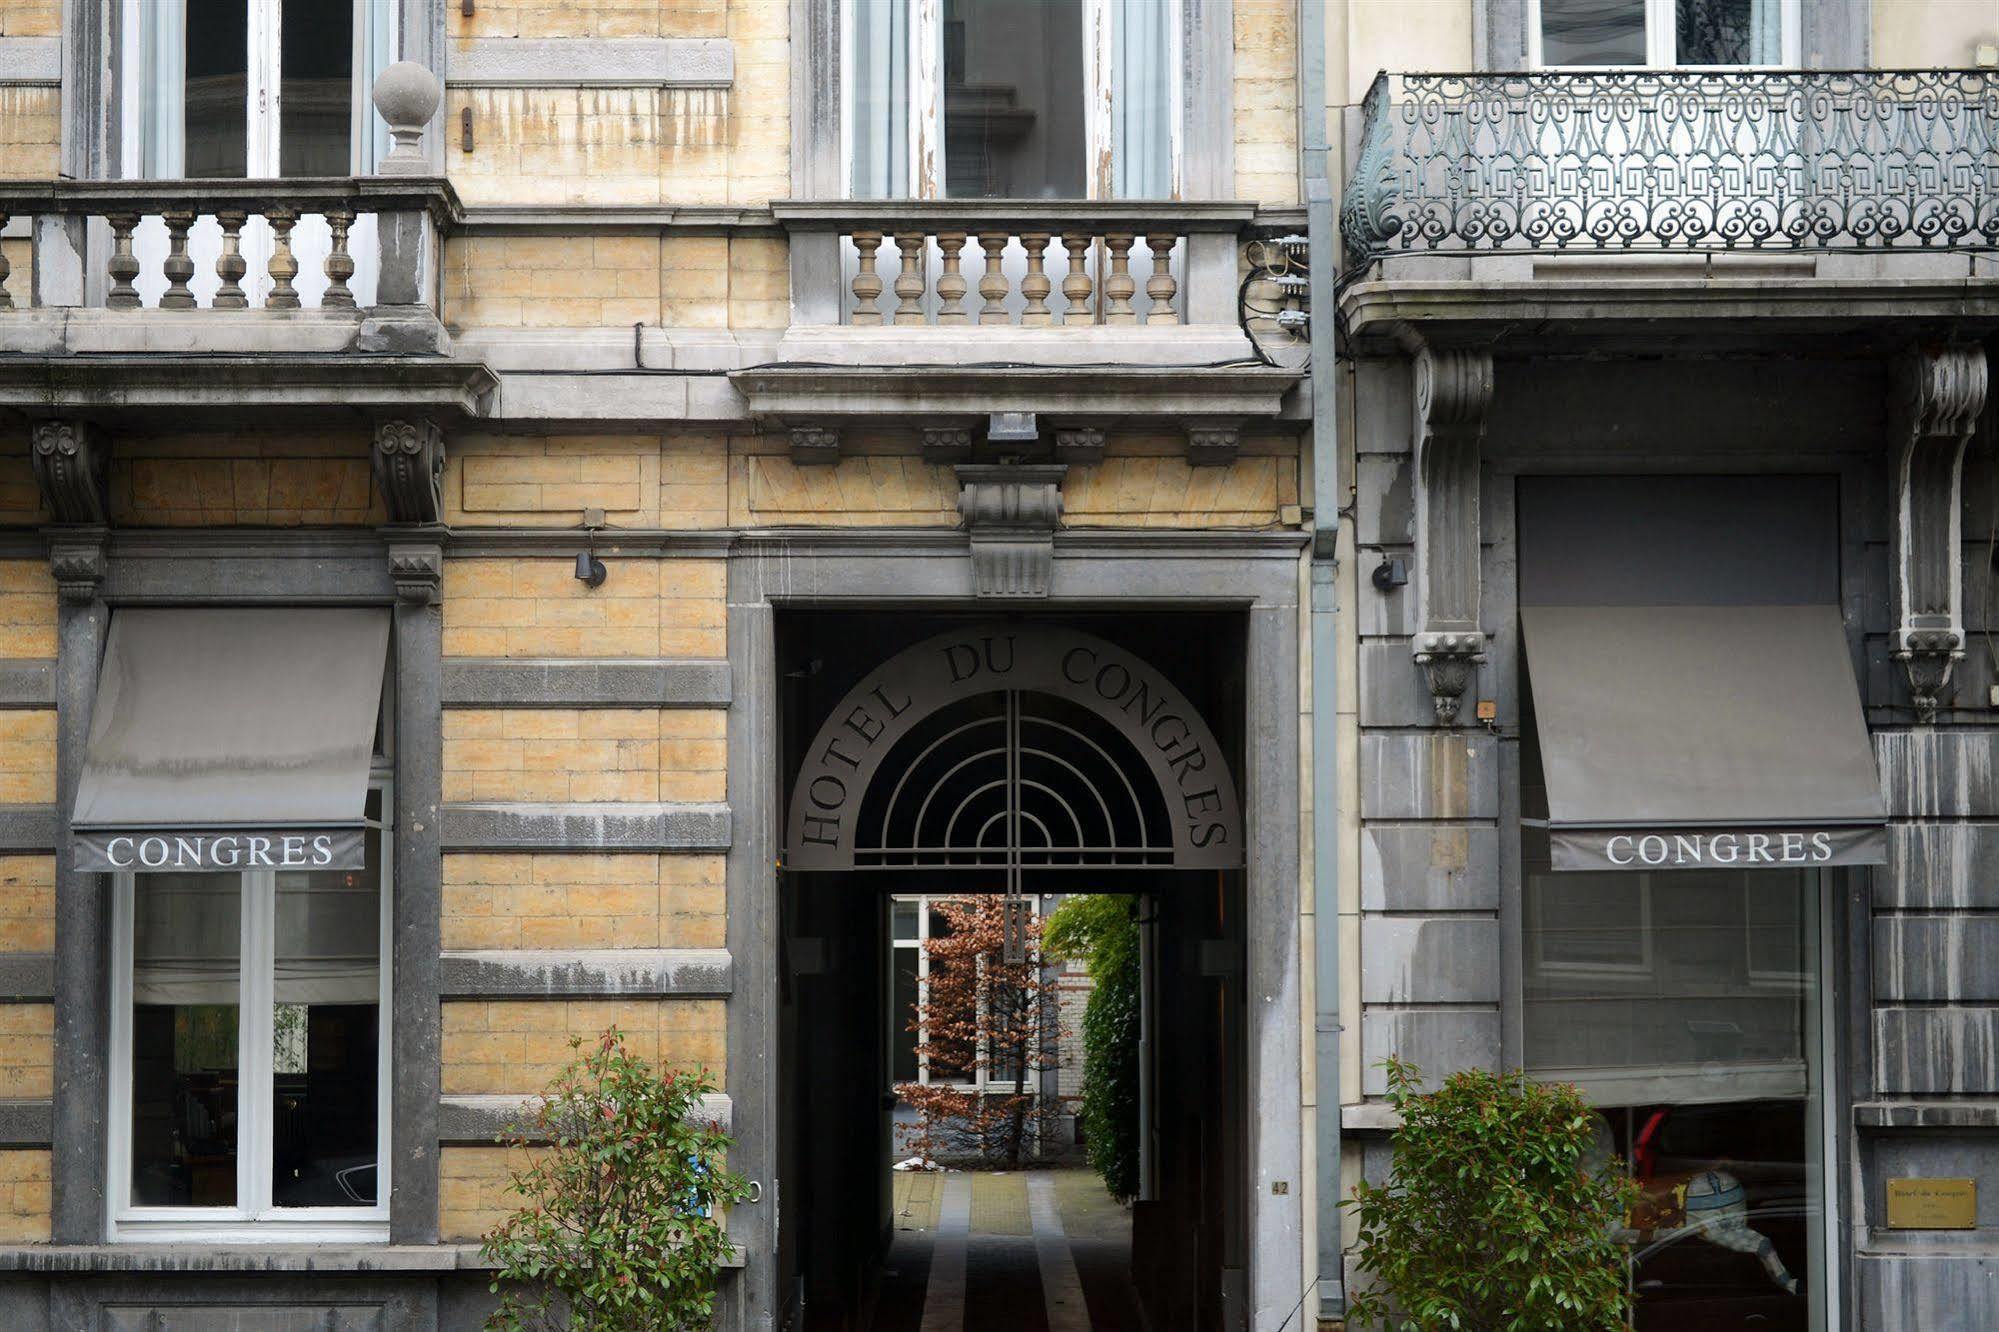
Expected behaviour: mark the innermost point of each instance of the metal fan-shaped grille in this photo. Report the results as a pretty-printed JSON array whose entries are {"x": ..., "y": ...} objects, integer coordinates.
[{"x": 1013, "y": 779}]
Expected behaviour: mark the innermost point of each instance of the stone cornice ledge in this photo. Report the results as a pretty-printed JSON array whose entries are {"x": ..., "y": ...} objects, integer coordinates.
[
  {"x": 139, "y": 386},
  {"x": 484, "y": 1119},
  {"x": 1113, "y": 391},
  {"x": 592, "y": 62},
  {"x": 247, "y": 1258},
  {"x": 610, "y": 827},
  {"x": 30, "y": 60},
  {"x": 506, "y": 972}
]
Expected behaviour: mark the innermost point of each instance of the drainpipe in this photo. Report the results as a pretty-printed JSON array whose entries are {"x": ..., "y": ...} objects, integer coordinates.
[{"x": 1326, "y": 499}]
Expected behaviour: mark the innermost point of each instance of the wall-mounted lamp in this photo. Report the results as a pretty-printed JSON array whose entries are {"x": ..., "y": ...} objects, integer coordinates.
[
  {"x": 1390, "y": 574},
  {"x": 590, "y": 570}
]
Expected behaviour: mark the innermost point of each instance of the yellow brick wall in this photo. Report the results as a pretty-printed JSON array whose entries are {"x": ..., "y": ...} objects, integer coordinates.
[
  {"x": 548, "y": 480},
  {"x": 256, "y": 480},
  {"x": 27, "y": 1051},
  {"x": 536, "y": 608},
  {"x": 27, "y": 610},
  {"x": 30, "y": 130},
  {"x": 474, "y": 1192},
  {"x": 549, "y": 900},
  {"x": 27, "y": 756},
  {"x": 504, "y": 1047},
  {"x": 24, "y": 1195},
  {"x": 1146, "y": 481},
  {"x": 30, "y": 18},
  {"x": 558, "y": 754},
  {"x": 616, "y": 281},
  {"x": 1266, "y": 109},
  {"x": 590, "y": 18},
  {"x": 27, "y": 904},
  {"x": 890, "y": 490}
]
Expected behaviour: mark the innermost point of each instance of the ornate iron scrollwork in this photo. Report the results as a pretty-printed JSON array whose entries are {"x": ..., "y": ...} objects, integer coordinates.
[{"x": 1675, "y": 160}]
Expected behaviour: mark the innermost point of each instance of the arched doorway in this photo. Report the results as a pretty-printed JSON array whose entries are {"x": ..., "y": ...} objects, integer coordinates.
[{"x": 1033, "y": 759}]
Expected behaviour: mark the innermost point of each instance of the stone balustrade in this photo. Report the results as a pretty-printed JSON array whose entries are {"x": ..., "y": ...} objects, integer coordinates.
[
  {"x": 86, "y": 241},
  {"x": 1020, "y": 264}
]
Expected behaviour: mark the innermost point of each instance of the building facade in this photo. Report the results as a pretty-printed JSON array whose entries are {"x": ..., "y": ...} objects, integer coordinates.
[{"x": 535, "y": 516}]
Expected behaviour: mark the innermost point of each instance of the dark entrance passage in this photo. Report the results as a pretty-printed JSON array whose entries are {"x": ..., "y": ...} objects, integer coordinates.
[{"x": 939, "y": 760}]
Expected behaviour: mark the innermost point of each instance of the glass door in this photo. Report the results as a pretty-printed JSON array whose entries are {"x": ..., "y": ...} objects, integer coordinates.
[{"x": 255, "y": 89}]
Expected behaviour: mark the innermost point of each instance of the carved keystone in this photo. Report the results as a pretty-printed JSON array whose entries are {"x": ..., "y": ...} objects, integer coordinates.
[
  {"x": 1453, "y": 389},
  {"x": 409, "y": 470},
  {"x": 1011, "y": 511},
  {"x": 1938, "y": 395}
]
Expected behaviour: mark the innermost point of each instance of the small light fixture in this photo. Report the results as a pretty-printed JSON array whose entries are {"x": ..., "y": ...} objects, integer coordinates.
[
  {"x": 1390, "y": 574},
  {"x": 590, "y": 570}
]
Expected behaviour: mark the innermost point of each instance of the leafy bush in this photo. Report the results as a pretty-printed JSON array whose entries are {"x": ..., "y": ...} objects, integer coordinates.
[
  {"x": 1493, "y": 1220},
  {"x": 1099, "y": 930},
  {"x": 617, "y": 1230}
]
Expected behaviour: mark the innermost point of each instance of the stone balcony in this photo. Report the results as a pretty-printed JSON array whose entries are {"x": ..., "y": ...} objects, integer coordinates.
[
  {"x": 303, "y": 297},
  {"x": 1606, "y": 205}
]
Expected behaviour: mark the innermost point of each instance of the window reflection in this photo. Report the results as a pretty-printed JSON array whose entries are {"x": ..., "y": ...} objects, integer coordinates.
[{"x": 1013, "y": 109}]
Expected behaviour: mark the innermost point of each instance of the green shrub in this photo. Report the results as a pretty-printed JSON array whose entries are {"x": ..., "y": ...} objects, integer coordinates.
[
  {"x": 617, "y": 1230},
  {"x": 1493, "y": 1220},
  {"x": 1098, "y": 929}
]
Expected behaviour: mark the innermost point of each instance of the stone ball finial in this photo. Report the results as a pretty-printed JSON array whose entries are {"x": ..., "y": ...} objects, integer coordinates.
[{"x": 406, "y": 96}]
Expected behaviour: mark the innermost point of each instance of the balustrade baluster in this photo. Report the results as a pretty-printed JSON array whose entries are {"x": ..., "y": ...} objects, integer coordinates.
[
  {"x": 178, "y": 266},
  {"x": 910, "y": 283},
  {"x": 339, "y": 263},
  {"x": 6, "y": 299},
  {"x": 123, "y": 265},
  {"x": 284, "y": 265},
  {"x": 1076, "y": 283},
  {"x": 1161, "y": 286},
  {"x": 867, "y": 282},
  {"x": 993, "y": 285},
  {"x": 230, "y": 265},
  {"x": 951, "y": 284},
  {"x": 1119, "y": 286},
  {"x": 1035, "y": 286}
]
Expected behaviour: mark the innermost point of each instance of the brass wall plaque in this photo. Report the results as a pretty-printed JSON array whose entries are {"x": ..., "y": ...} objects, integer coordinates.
[{"x": 1932, "y": 1204}]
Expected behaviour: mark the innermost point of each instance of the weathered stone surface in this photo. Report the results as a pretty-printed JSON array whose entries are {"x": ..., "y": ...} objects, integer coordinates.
[
  {"x": 1429, "y": 867},
  {"x": 1939, "y": 773},
  {"x": 1429, "y": 775},
  {"x": 1936, "y": 1051},
  {"x": 1954, "y": 957},
  {"x": 1440, "y": 1041},
  {"x": 1429, "y": 959},
  {"x": 1934, "y": 1292}
]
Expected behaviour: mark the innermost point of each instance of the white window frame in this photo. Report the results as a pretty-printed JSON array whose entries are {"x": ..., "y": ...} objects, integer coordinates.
[
  {"x": 254, "y": 1218},
  {"x": 981, "y": 1081},
  {"x": 926, "y": 98},
  {"x": 1661, "y": 38},
  {"x": 1640, "y": 970}
]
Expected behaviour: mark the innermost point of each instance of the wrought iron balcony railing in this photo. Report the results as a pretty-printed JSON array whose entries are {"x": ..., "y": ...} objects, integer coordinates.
[{"x": 1671, "y": 160}]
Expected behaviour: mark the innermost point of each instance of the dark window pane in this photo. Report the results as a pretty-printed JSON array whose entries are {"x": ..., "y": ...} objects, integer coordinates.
[
  {"x": 1592, "y": 32},
  {"x": 316, "y": 97},
  {"x": 325, "y": 1039},
  {"x": 902, "y": 1011},
  {"x": 1013, "y": 99},
  {"x": 1729, "y": 32},
  {"x": 217, "y": 111},
  {"x": 186, "y": 945}
]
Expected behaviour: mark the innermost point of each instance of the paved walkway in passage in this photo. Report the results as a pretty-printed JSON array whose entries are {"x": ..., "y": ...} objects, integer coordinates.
[{"x": 1019, "y": 1251}]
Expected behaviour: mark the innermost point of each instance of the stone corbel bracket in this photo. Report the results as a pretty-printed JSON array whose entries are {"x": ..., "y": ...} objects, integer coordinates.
[
  {"x": 1453, "y": 390},
  {"x": 408, "y": 459},
  {"x": 416, "y": 565},
  {"x": 814, "y": 445},
  {"x": 1938, "y": 394},
  {"x": 77, "y": 562},
  {"x": 72, "y": 464},
  {"x": 1011, "y": 511}
]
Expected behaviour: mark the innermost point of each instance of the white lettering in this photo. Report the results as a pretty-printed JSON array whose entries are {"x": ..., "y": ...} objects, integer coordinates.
[
  {"x": 224, "y": 850},
  {"x": 1715, "y": 848},
  {"x": 1759, "y": 848},
  {"x": 322, "y": 850},
  {"x": 187, "y": 851},
  {"x": 1794, "y": 848},
  {"x": 1645, "y": 852},
  {"x": 294, "y": 851},
  {"x": 111, "y": 852},
  {"x": 1821, "y": 846},
  {"x": 260, "y": 851},
  {"x": 1686, "y": 848},
  {"x": 153, "y": 859},
  {"x": 1610, "y": 849}
]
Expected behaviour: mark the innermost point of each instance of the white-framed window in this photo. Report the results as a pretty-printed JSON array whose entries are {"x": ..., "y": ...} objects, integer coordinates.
[
  {"x": 1663, "y": 34},
  {"x": 1596, "y": 925},
  {"x": 250, "y": 1052},
  {"x": 913, "y": 922},
  {"x": 254, "y": 89},
  {"x": 1055, "y": 99}
]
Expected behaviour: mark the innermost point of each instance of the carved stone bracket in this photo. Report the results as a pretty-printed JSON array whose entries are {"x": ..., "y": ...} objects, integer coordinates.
[
  {"x": 409, "y": 470},
  {"x": 946, "y": 443},
  {"x": 78, "y": 563},
  {"x": 1079, "y": 445},
  {"x": 1453, "y": 389},
  {"x": 416, "y": 565},
  {"x": 1011, "y": 511},
  {"x": 811, "y": 445},
  {"x": 1938, "y": 395},
  {"x": 1213, "y": 443},
  {"x": 72, "y": 462}
]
